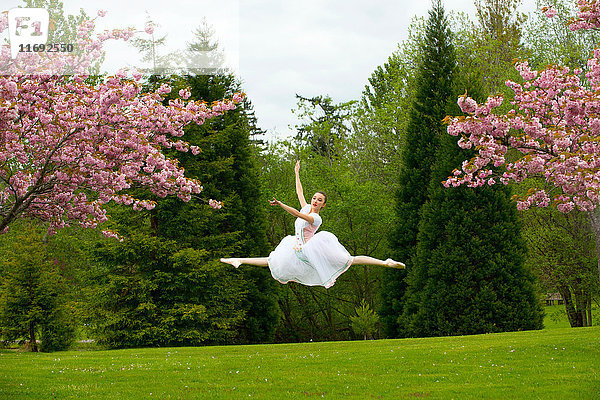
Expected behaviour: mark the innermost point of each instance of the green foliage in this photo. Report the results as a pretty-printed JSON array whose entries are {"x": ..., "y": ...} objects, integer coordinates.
[
  {"x": 227, "y": 172},
  {"x": 379, "y": 124},
  {"x": 493, "y": 43},
  {"x": 155, "y": 294},
  {"x": 433, "y": 92},
  {"x": 58, "y": 333},
  {"x": 562, "y": 253},
  {"x": 325, "y": 124},
  {"x": 33, "y": 300},
  {"x": 487, "y": 48},
  {"x": 468, "y": 275},
  {"x": 552, "y": 42},
  {"x": 365, "y": 322}
]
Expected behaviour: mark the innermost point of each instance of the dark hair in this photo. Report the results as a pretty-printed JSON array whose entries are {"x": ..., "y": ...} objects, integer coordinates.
[{"x": 325, "y": 202}]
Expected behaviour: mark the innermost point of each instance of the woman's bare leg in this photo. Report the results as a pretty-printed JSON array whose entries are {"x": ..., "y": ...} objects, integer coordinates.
[
  {"x": 236, "y": 262},
  {"x": 366, "y": 260}
]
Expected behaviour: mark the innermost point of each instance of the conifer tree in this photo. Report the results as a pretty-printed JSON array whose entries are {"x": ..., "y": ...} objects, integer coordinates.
[
  {"x": 226, "y": 169},
  {"x": 468, "y": 275},
  {"x": 156, "y": 293},
  {"x": 228, "y": 173},
  {"x": 168, "y": 265},
  {"x": 33, "y": 292},
  {"x": 432, "y": 94}
]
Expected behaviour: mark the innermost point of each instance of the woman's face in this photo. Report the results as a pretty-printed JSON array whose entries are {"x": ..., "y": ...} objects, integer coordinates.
[{"x": 318, "y": 201}]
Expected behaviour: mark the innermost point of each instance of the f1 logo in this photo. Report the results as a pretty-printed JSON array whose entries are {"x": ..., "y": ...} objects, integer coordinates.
[{"x": 27, "y": 26}]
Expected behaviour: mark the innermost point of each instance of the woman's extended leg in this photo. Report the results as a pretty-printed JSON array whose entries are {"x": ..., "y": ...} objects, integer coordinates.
[
  {"x": 236, "y": 262},
  {"x": 366, "y": 260}
]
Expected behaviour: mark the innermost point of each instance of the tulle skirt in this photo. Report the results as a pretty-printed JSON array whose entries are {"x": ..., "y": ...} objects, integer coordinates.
[{"x": 318, "y": 262}]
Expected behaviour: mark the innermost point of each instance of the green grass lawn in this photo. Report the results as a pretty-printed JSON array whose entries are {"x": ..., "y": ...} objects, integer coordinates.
[
  {"x": 559, "y": 363},
  {"x": 556, "y": 316}
]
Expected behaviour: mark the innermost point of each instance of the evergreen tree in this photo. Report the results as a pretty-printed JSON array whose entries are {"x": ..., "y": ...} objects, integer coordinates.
[
  {"x": 155, "y": 293},
  {"x": 227, "y": 305},
  {"x": 432, "y": 94},
  {"x": 225, "y": 166},
  {"x": 227, "y": 170},
  {"x": 34, "y": 294},
  {"x": 468, "y": 275}
]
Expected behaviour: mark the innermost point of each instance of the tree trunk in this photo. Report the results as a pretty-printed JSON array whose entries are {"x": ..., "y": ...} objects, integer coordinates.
[
  {"x": 154, "y": 223},
  {"x": 580, "y": 305},
  {"x": 571, "y": 311},
  {"x": 594, "y": 216},
  {"x": 589, "y": 309},
  {"x": 32, "y": 339}
]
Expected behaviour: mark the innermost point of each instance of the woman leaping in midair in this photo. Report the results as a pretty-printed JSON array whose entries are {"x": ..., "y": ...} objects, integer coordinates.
[{"x": 309, "y": 258}]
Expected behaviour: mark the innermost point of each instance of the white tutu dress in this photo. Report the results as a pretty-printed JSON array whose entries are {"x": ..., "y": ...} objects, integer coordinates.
[{"x": 308, "y": 258}]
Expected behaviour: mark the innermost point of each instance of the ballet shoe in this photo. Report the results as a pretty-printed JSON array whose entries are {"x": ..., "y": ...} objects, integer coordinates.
[
  {"x": 394, "y": 264},
  {"x": 233, "y": 261}
]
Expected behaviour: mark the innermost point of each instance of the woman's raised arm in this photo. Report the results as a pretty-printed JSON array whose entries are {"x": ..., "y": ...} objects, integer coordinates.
[{"x": 299, "y": 190}]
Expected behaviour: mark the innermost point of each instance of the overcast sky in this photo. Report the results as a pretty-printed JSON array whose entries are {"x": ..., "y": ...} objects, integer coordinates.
[
  {"x": 316, "y": 47},
  {"x": 278, "y": 47}
]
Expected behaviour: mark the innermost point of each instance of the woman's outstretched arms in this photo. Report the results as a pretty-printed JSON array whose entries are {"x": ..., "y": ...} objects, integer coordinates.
[
  {"x": 299, "y": 190},
  {"x": 292, "y": 211}
]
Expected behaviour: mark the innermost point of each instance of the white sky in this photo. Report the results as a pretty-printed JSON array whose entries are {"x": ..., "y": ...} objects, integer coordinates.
[{"x": 278, "y": 47}]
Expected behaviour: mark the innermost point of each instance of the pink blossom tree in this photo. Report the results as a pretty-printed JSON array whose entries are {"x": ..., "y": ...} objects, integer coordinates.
[
  {"x": 68, "y": 146},
  {"x": 552, "y": 131}
]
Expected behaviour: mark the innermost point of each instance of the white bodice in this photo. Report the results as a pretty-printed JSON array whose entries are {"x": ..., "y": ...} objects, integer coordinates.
[{"x": 305, "y": 230}]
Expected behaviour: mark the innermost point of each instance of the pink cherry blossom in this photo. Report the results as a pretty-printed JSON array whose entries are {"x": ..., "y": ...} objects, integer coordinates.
[
  {"x": 467, "y": 104},
  {"x": 149, "y": 29},
  {"x": 68, "y": 147},
  {"x": 549, "y": 12},
  {"x": 238, "y": 97},
  {"x": 185, "y": 93},
  {"x": 215, "y": 204},
  {"x": 588, "y": 16},
  {"x": 554, "y": 124}
]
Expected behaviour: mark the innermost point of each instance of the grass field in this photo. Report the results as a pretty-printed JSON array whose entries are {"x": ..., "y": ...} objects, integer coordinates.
[
  {"x": 555, "y": 363},
  {"x": 556, "y": 316}
]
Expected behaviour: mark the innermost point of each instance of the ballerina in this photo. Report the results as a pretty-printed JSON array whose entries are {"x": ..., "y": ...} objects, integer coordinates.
[{"x": 309, "y": 258}]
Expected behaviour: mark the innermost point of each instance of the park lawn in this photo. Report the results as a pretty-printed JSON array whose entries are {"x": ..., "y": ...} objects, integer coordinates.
[
  {"x": 556, "y": 316},
  {"x": 560, "y": 363}
]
